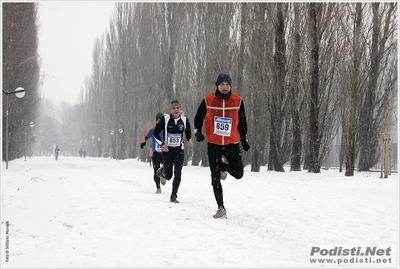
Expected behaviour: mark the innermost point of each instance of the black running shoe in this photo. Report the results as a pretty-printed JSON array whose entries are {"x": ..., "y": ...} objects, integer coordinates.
[
  {"x": 160, "y": 175},
  {"x": 173, "y": 199}
]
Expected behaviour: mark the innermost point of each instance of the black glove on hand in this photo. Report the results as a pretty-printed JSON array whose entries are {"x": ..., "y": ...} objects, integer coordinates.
[
  {"x": 142, "y": 145},
  {"x": 245, "y": 145},
  {"x": 199, "y": 137}
]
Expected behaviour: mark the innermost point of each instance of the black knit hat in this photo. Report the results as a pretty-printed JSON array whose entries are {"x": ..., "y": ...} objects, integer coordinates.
[
  {"x": 175, "y": 103},
  {"x": 223, "y": 77},
  {"x": 159, "y": 116}
]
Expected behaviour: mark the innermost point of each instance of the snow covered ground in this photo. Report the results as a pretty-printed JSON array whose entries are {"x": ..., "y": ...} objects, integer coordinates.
[{"x": 97, "y": 212}]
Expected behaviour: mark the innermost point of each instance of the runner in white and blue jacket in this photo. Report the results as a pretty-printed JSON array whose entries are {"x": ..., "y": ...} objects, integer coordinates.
[
  {"x": 156, "y": 154},
  {"x": 174, "y": 126}
]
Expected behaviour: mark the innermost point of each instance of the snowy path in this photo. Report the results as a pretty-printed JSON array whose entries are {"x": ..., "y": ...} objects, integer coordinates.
[{"x": 105, "y": 213}]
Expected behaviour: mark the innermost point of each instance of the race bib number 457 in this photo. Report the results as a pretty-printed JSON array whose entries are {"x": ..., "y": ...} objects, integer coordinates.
[{"x": 222, "y": 126}]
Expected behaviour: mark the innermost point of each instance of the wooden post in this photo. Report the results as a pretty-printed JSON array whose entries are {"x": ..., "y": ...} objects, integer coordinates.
[
  {"x": 382, "y": 153},
  {"x": 387, "y": 163},
  {"x": 328, "y": 160},
  {"x": 390, "y": 158}
]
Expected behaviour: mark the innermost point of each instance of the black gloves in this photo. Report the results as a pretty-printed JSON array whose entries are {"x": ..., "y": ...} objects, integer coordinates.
[
  {"x": 245, "y": 144},
  {"x": 199, "y": 137},
  {"x": 142, "y": 145}
]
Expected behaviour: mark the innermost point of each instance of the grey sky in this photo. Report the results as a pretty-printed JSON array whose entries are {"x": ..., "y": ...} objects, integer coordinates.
[{"x": 67, "y": 33}]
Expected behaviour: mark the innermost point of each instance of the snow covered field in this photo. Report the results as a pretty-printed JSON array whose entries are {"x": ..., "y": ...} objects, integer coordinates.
[{"x": 104, "y": 213}]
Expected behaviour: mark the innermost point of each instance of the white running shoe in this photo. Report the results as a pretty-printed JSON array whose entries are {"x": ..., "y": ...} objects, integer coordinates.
[
  {"x": 224, "y": 174},
  {"x": 221, "y": 213}
]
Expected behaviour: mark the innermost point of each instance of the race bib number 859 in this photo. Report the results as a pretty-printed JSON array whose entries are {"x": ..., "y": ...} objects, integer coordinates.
[{"x": 222, "y": 126}]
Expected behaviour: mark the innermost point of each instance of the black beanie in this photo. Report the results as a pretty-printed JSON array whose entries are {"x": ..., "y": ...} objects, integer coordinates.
[
  {"x": 223, "y": 77},
  {"x": 175, "y": 103},
  {"x": 159, "y": 116}
]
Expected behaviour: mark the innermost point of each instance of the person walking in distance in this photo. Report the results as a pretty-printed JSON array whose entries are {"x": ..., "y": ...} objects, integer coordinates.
[
  {"x": 155, "y": 149},
  {"x": 225, "y": 126},
  {"x": 56, "y": 152},
  {"x": 174, "y": 126}
]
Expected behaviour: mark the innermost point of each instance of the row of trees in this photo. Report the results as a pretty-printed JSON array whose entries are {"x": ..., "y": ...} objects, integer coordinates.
[
  {"x": 309, "y": 73},
  {"x": 21, "y": 68}
]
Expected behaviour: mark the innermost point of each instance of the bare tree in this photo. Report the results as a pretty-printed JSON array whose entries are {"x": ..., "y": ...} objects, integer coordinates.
[
  {"x": 154, "y": 52},
  {"x": 351, "y": 142},
  {"x": 315, "y": 165},
  {"x": 20, "y": 69},
  {"x": 383, "y": 44},
  {"x": 295, "y": 88},
  {"x": 201, "y": 83},
  {"x": 323, "y": 95},
  {"x": 256, "y": 85},
  {"x": 278, "y": 99}
]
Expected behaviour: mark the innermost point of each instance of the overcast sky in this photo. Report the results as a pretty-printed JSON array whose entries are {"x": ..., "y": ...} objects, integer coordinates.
[{"x": 67, "y": 33}]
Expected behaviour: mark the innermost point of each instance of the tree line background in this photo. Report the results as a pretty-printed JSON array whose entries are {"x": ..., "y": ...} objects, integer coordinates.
[
  {"x": 21, "y": 67},
  {"x": 310, "y": 74}
]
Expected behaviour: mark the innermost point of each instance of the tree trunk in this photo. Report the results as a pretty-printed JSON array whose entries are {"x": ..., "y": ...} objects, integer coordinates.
[
  {"x": 351, "y": 148},
  {"x": 314, "y": 165},
  {"x": 295, "y": 161},
  {"x": 277, "y": 104}
]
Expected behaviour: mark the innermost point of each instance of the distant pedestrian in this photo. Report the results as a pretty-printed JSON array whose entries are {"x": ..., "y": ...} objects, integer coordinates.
[
  {"x": 56, "y": 152},
  {"x": 154, "y": 151},
  {"x": 225, "y": 127},
  {"x": 80, "y": 153},
  {"x": 174, "y": 126},
  {"x": 84, "y": 153}
]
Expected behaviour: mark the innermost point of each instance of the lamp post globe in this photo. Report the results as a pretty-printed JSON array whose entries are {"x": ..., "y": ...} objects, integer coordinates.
[{"x": 19, "y": 92}]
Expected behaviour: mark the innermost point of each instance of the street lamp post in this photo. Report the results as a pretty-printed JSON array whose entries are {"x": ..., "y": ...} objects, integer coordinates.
[
  {"x": 98, "y": 147},
  {"x": 119, "y": 133},
  {"x": 19, "y": 92},
  {"x": 31, "y": 124},
  {"x": 93, "y": 147}
]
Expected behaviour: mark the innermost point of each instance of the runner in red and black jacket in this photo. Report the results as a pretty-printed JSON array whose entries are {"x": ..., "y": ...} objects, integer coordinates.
[{"x": 225, "y": 126}]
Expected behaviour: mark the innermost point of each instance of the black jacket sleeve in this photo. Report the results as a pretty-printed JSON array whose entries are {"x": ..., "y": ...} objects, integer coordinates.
[
  {"x": 188, "y": 130},
  {"x": 242, "y": 122},
  {"x": 200, "y": 116},
  {"x": 158, "y": 129}
]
